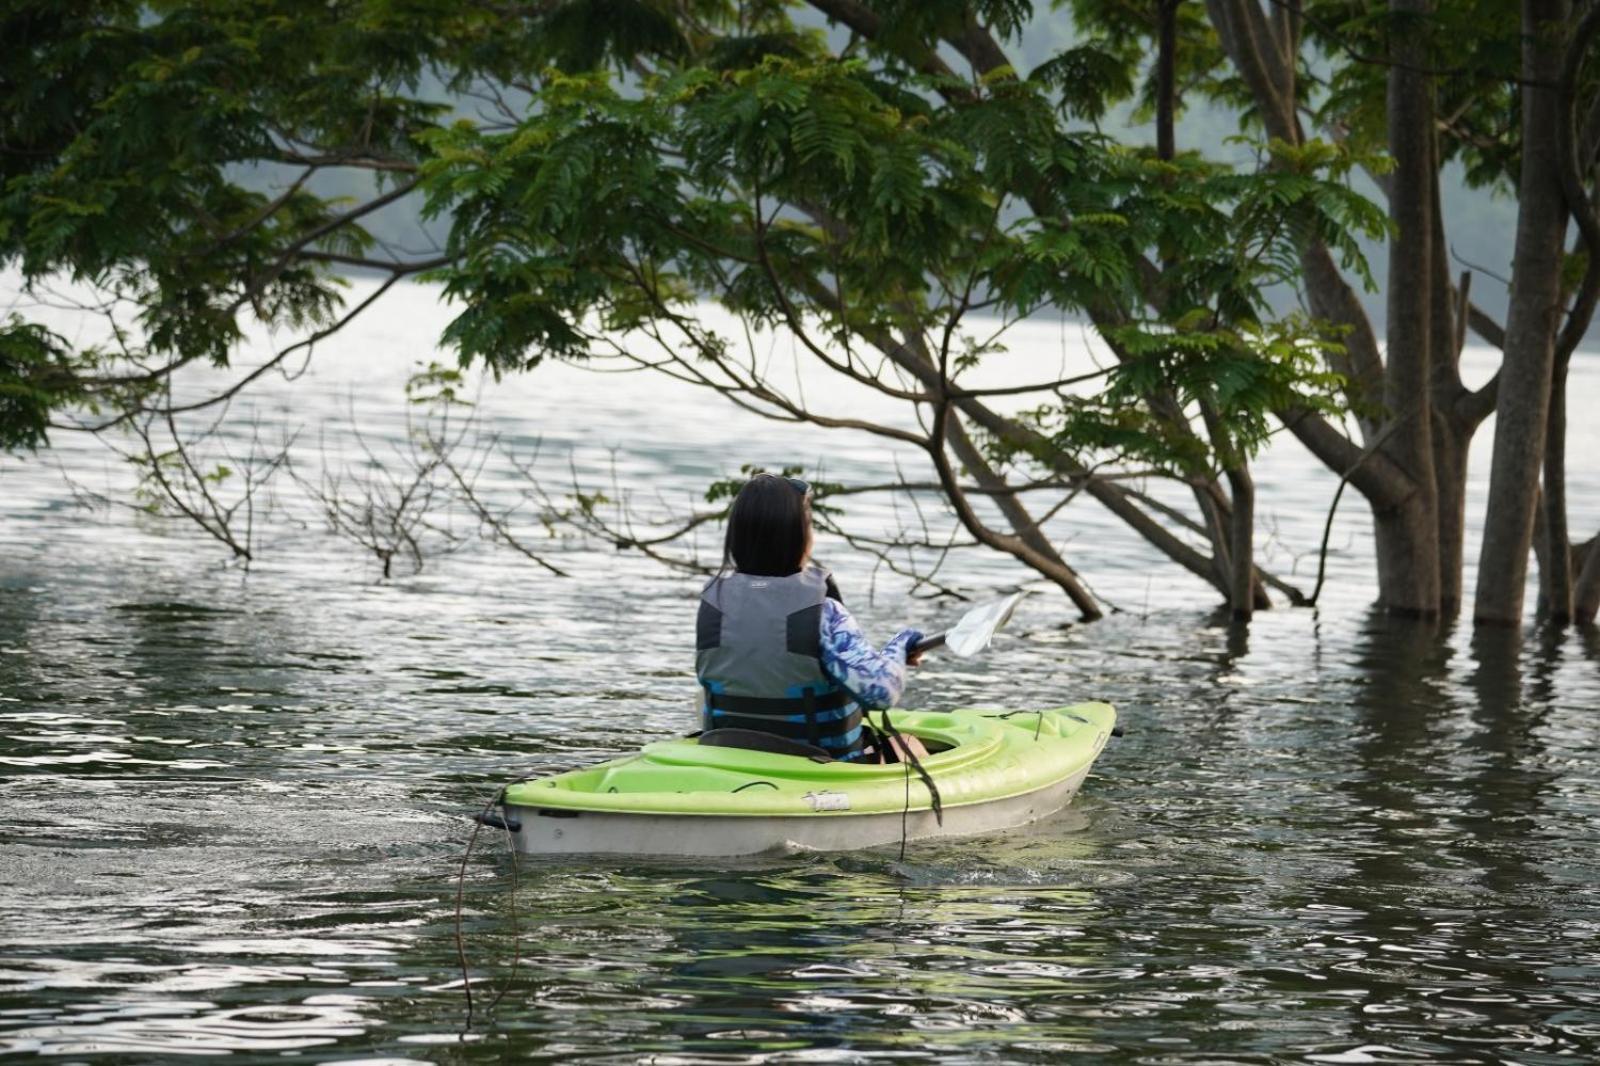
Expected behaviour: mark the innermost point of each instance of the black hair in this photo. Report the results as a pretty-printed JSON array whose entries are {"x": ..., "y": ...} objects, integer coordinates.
[{"x": 769, "y": 526}]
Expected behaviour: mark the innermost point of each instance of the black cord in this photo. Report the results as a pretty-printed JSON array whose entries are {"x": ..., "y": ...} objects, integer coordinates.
[
  {"x": 753, "y": 784},
  {"x": 905, "y": 814},
  {"x": 461, "y": 888},
  {"x": 516, "y": 931},
  {"x": 907, "y": 755},
  {"x": 909, "y": 758}
]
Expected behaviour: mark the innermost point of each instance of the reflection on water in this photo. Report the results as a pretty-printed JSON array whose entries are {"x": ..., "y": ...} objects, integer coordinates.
[
  {"x": 194, "y": 1028},
  {"x": 231, "y": 817}
]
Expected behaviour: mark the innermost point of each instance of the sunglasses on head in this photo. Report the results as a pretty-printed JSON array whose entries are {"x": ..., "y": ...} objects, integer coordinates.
[{"x": 800, "y": 486}]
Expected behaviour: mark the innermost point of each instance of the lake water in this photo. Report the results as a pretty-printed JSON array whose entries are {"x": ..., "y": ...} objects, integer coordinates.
[{"x": 232, "y": 804}]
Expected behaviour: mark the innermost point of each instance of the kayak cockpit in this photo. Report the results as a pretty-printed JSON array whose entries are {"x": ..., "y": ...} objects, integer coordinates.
[{"x": 755, "y": 740}]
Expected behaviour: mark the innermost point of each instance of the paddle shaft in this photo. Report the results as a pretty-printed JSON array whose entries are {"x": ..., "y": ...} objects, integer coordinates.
[{"x": 935, "y": 641}]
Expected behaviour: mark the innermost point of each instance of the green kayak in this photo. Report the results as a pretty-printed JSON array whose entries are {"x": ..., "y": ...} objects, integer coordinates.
[{"x": 993, "y": 770}]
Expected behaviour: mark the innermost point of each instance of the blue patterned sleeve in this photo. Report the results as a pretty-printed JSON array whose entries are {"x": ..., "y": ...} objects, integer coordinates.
[{"x": 875, "y": 678}]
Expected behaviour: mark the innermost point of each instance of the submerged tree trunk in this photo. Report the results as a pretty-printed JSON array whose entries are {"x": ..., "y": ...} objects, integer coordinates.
[
  {"x": 1556, "y": 572},
  {"x": 1242, "y": 585},
  {"x": 1407, "y": 529},
  {"x": 1586, "y": 590},
  {"x": 1230, "y": 524},
  {"x": 1234, "y": 525},
  {"x": 1455, "y": 421},
  {"x": 1450, "y": 453},
  {"x": 1576, "y": 157},
  {"x": 1524, "y": 400}
]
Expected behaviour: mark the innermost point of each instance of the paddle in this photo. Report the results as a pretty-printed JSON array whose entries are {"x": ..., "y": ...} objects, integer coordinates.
[{"x": 975, "y": 630}]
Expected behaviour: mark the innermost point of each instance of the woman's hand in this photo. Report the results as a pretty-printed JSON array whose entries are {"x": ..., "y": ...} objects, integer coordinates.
[{"x": 913, "y": 654}]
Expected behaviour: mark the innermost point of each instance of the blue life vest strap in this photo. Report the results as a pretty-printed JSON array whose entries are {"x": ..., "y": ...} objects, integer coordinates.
[{"x": 783, "y": 705}]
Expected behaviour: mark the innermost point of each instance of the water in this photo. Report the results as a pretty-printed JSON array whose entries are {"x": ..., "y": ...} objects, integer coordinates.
[{"x": 231, "y": 804}]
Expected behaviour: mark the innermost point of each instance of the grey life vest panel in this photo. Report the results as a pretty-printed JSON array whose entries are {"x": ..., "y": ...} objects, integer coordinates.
[{"x": 758, "y": 655}]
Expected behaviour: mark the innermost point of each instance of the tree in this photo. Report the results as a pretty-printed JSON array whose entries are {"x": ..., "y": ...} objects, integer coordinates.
[
  {"x": 1449, "y": 78},
  {"x": 842, "y": 180},
  {"x": 851, "y": 201}
]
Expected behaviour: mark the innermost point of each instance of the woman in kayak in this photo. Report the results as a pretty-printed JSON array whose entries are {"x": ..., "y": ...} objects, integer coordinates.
[{"x": 776, "y": 652}]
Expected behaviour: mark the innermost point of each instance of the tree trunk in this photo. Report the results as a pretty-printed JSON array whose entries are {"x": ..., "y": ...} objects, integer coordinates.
[
  {"x": 1525, "y": 382},
  {"x": 1407, "y": 530},
  {"x": 1451, "y": 449},
  {"x": 1540, "y": 542},
  {"x": 1242, "y": 581},
  {"x": 1166, "y": 90},
  {"x": 1234, "y": 524},
  {"x": 1230, "y": 525},
  {"x": 1555, "y": 573},
  {"x": 1586, "y": 590},
  {"x": 1453, "y": 425},
  {"x": 1576, "y": 157}
]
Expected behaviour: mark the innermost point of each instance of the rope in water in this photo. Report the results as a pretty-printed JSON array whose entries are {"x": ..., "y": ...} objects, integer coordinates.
[
  {"x": 516, "y": 884},
  {"x": 461, "y": 888}
]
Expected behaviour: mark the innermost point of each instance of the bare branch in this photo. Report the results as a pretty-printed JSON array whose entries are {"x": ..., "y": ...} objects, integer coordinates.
[{"x": 496, "y": 522}]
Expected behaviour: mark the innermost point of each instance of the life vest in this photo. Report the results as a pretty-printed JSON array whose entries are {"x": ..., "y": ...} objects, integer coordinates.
[{"x": 758, "y": 655}]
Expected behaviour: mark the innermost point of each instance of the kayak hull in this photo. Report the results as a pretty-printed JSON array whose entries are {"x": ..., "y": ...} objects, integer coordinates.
[
  {"x": 714, "y": 836},
  {"x": 993, "y": 770}
]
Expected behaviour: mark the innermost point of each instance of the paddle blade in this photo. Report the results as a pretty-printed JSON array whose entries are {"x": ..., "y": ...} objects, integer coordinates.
[{"x": 977, "y": 627}]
